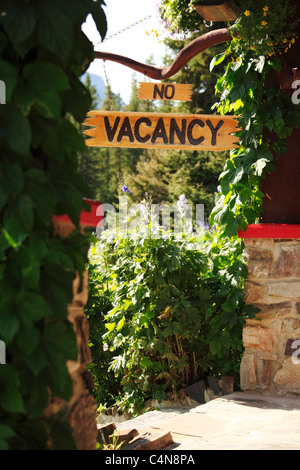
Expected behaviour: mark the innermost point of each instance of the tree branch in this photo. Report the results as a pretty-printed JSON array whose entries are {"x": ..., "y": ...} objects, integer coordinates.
[{"x": 194, "y": 48}]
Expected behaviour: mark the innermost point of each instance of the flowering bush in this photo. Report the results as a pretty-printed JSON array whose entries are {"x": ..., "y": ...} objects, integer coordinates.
[
  {"x": 163, "y": 315},
  {"x": 261, "y": 26}
]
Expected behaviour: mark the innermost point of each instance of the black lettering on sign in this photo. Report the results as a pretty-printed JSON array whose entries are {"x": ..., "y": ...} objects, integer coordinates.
[
  {"x": 111, "y": 131},
  {"x": 166, "y": 91},
  {"x": 174, "y": 128},
  {"x": 157, "y": 91},
  {"x": 160, "y": 132},
  {"x": 214, "y": 130},
  {"x": 169, "y": 96},
  {"x": 137, "y": 134},
  {"x": 191, "y": 126},
  {"x": 125, "y": 130}
]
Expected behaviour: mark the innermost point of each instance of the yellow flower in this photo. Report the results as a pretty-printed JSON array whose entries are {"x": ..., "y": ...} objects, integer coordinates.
[
  {"x": 247, "y": 13},
  {"x": 265, "y": 13},
  {"x": 265, "y": 8},
  {"x": 264, "y": 23}
]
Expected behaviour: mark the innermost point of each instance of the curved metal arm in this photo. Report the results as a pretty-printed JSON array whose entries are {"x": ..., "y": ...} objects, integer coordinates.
[{"x": 198, "y": 45}]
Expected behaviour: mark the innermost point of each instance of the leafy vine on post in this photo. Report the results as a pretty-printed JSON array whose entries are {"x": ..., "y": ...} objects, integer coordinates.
[{"x": 43, "y": 54}]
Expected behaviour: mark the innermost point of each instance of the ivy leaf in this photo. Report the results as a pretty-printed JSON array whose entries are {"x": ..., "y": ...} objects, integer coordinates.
[
  {"x": 99, "y": 17},
  {"x": 39, "y": 189},
  {"x": 42, "y": 76},
  {"x": 54, "y": 30},
  {"x": 60, "y": 337},
  {"x": 32, "y": 307},
  {"x": 11, "y": 399},
  {"x": 8, "y": 320},
  {"x": 19, "y": 20},
  {"x": 5, "y": 433},
  {"x": 14, "y": 177},
  {"x": 14, "y": 129},
  {"x": 217, "y": 59},
  {"x": 9, "y": 74},
  {"x": 259, "y": 166}
]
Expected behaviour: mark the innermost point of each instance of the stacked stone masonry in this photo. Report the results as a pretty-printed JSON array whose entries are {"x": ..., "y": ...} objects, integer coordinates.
[{"x": 271, "y": 363}]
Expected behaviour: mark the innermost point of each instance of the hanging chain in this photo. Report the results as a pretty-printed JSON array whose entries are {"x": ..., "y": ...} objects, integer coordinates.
[
  {"x": 104, "y": 66},
  {"x": 108, "y": 87},
  {"x": 123, "y": 30}
]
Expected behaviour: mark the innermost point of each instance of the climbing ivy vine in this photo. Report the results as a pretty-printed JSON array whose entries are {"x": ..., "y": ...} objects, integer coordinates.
[
  {"x": 43, "y": 54},
  {"x": 262, "y": 31}
]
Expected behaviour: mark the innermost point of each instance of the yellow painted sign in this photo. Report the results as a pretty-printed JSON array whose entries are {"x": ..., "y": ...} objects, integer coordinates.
[
  {"x": 161, "y": 130},
  {"x": 165, "y": 91}
]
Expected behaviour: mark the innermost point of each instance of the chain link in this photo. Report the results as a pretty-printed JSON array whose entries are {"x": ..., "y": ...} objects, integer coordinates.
[
  {"x": 108, "y": 87},
  {"x": 104, "y": 66},
  {"x": 124, "y": 29}
]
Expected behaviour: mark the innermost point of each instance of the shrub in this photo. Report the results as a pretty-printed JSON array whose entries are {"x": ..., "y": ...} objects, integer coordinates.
[{"x": 166, "y": 314}]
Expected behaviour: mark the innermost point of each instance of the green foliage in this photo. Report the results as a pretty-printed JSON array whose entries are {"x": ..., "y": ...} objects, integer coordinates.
[
  {"x": 180, "y": 15},
  {"x": 262, "y": 26},
  {"x": 261, "y": 110},
  {"x": 43, "y": 53},
  {"x": 167, "y": 313}
]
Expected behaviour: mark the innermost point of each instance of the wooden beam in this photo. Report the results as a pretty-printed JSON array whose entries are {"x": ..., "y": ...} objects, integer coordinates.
[{"x": 194, "y": 48}]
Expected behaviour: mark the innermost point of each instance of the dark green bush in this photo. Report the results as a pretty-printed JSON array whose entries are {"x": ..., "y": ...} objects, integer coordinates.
[{"x": 167, "y": 314}]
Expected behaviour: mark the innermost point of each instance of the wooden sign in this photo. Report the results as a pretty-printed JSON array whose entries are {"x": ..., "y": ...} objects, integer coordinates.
[
  {"x": 165, "y": 91},
  {"x": 162, "y": 131}
]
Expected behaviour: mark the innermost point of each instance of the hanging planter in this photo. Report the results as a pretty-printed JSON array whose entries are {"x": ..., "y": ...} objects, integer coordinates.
[{"x": 217, "y": 10}]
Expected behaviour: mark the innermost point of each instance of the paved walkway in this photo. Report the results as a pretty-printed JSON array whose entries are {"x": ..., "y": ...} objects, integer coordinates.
[{"x": 239, "y": 421}]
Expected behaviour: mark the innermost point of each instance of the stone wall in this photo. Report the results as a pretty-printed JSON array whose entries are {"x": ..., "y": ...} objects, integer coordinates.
[{"x": 270, "y": 364}]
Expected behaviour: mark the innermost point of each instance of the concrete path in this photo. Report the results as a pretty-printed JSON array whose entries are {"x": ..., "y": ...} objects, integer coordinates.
[{"x": 239, "y": 421}]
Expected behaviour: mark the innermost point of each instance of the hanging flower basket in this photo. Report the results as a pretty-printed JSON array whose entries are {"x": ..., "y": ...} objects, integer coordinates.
[{"x": 217, "y": 10}]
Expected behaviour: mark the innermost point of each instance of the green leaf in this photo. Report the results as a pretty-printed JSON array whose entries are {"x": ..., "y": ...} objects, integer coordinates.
[
  {"x": 99, "y": 17},
  {"x": 39, "y": 189},
  {"x": 13, "y": 230},
  {"x": 54, "y": 30},
  {"x": 19, "y": 20},
  {"x": 42, "y": 77},
  {"x": 5, "y": 433},
  {"x": 59, "y": 337},
  {"x": 217, "y": 59},
  {"x": 14, "y": 129},
  {"x": 259, "y": 166},
  {"x": 11, "y": 399},
  {"x": 14, "y": 177},
  {"x": 32, "y": 307},
  {"x": 9, "y": 75},
  {"x": 8, "y": 320}
]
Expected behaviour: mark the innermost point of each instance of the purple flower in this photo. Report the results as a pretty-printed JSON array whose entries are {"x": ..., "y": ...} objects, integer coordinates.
[{"x": 125, "y": 189}]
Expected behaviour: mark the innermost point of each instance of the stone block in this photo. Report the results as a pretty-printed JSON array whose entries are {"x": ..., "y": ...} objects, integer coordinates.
[
  {"x": 274, "y": 310},
  {"x": 265, "y": 374},
  {"x": 253, "y": 292},
  {"x": 248, "y": 376},
  {"x": 196, "y": 391},
  {"x": 259, "y": 263},
  {"x": 288, "y": 263},
  {"x": 258, "y": 337},
  {"x": 213, "y": 383},
  {"x": 227, "y": 384},
  {"x": 288, "y": 377},
  {"x": 284, "y": 289}
]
